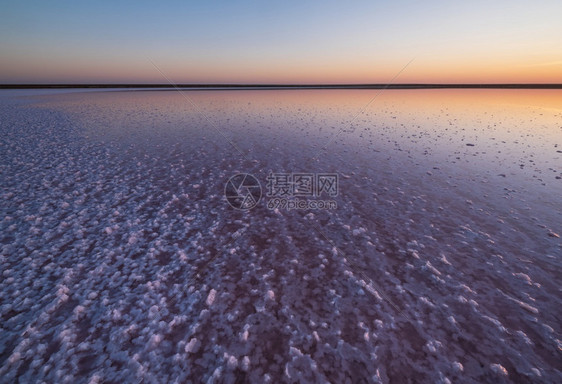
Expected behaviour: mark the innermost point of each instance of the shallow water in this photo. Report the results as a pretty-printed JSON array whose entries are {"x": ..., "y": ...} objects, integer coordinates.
[{"x": 122, "y": 259}]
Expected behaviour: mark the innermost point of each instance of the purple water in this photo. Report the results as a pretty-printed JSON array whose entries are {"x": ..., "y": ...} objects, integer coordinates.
[{"x": 122, "y": 261}]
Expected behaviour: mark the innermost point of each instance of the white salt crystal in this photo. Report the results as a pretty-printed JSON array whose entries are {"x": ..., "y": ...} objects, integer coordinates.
[
  {"x": 193, "y": 345},
  {"x": 211, "y": 297}
]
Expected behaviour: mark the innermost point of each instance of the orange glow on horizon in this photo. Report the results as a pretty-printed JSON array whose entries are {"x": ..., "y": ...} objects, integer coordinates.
[{"x": 122, "y": 69}]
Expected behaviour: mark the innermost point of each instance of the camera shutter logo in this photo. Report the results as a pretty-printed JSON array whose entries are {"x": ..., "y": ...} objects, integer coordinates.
[{"x": 243, "y": 191}]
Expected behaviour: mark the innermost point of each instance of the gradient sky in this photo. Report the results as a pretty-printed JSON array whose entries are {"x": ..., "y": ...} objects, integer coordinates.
[{"x": 281, "y": 42}]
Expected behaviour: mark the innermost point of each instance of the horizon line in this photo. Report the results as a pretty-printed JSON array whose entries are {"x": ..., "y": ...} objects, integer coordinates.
[{"x": 223, "y": 86}]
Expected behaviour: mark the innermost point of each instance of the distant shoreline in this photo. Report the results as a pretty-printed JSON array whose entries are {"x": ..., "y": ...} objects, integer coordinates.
[{"x": 281, "y": 86}]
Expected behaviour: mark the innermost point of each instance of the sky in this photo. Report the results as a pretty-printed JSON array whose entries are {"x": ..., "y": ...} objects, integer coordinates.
[{"x": 284, "y": 42}]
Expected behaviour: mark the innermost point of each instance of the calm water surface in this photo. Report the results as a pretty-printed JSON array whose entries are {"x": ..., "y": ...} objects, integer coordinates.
[{"x": 122, "y": 259}]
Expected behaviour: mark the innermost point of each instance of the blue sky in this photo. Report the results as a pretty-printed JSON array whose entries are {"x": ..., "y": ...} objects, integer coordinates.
[{"x": 252, "y": 41}]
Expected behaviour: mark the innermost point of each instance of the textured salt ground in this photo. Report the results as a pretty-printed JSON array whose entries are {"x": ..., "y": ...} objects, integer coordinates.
[{"x": 121, "y": 261}]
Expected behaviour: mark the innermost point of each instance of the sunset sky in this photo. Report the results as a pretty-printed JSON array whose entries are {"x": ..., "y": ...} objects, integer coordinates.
[{"x": 281, "y": 42}]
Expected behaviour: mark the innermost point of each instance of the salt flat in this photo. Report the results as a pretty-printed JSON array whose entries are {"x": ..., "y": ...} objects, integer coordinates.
[{"x": 122, "y": 261}]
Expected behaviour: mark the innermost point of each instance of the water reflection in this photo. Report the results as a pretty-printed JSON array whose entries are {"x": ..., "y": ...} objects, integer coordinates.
[{"x": 440, "y": 261}]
